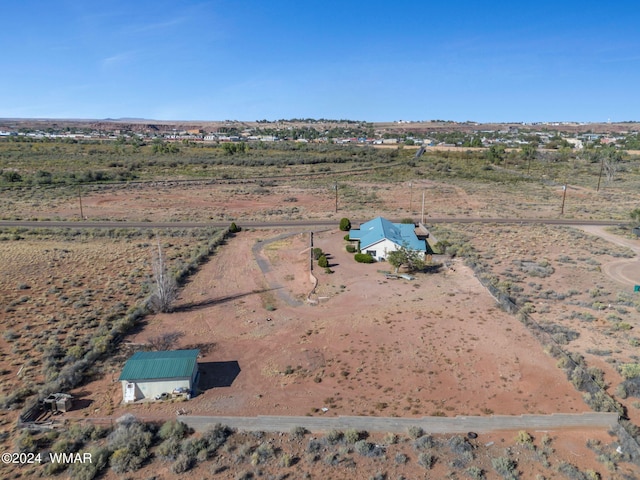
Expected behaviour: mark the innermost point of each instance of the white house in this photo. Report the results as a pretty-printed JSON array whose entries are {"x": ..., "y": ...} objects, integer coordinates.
[
  {"x": 379, "y": 237},
  {"x": 147, "y": 374}
]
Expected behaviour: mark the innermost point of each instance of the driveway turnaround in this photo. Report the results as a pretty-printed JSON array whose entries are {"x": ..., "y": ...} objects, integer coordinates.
[{"x": 399, "y": 425}]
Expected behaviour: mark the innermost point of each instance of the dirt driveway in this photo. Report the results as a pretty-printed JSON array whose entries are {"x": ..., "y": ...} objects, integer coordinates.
[{"x": 625, "y": 270}]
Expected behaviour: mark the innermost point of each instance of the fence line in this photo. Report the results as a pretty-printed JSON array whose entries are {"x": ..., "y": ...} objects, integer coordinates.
[{"x": 546, "y": 339}]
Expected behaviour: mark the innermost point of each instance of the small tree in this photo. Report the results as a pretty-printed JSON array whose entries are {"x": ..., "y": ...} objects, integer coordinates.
[
  {"x": 529, "y": 151},
  {"x": 165, "y": 288},
  {"x": 495, "y": 153},
  {"x": 345, "y": 225},
  {"x": 611, "y": 162},
  {"x": 233, "y": 228},
  {"x": 412, "y": 259},
  {"x": 323, "y": 262}
]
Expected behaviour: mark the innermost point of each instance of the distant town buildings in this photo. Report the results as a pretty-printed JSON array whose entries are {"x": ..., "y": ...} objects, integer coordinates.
[{"x": 343, "y": 132}]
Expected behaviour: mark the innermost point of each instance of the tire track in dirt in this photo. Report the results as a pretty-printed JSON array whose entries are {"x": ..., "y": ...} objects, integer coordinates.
[
  {"x": 265, "y": 267},
  {"x": 625, "y": 271}
]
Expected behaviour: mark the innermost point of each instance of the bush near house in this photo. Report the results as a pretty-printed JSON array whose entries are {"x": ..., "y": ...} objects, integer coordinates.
[
  {"x": 345, "y": 225},
  {"x": 364, "y": 258}
]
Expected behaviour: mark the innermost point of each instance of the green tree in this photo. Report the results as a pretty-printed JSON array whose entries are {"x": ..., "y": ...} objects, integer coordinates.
[
  {"x": 162, "y": 147},
  {"x": 495, "y": 154},
  {"x": 233, "y": 148},
  {"x": 345, "y": 225},
  {"x": 528, "y": 152},
  {"x": 412, "y": 259},
  {"x": 323, "y": 262}
]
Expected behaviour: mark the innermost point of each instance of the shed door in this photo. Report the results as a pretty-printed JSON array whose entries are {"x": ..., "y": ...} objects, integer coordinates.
[{"x": 130, "y": 393}]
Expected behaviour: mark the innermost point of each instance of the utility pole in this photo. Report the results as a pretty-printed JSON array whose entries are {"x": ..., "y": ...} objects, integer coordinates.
[
  {"x": 80, "y": 198},
  {"x": 423, "y": 207},
  {"x": 336, "y": 187},
  {"x": 564, "y": 195}
]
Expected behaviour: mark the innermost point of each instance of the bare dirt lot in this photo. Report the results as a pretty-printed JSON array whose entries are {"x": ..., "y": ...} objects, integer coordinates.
[{"x": 437, "y": 345}]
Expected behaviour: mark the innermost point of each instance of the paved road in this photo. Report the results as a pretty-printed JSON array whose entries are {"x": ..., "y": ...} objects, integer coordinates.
[
  {"x": 400, "y": 425},
  {"x": 280, "y": 224}
]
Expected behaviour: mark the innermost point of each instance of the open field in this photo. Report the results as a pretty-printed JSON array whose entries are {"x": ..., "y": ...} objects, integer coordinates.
[
  {"x": 202, "y": 182},
  {"x": 437, "y": 345}
]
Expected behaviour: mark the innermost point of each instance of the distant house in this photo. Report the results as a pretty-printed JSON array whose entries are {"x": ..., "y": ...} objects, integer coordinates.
[
  {"x": 149, "y": 374},
  {"x": 379, "y": 237}
]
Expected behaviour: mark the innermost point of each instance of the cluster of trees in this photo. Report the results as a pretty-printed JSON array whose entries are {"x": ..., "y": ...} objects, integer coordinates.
[
  {"x": 233, "y": 148},
  {"x": 43, "y": 177},
  {"x": 164, "y": 148}
]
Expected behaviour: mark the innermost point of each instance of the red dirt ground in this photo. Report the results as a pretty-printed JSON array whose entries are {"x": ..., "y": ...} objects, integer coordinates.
[{"x": 435, "y": 345}]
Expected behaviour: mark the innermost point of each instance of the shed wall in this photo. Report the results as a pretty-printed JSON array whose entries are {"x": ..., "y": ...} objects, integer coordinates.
[{"x": 151, "y": 388}]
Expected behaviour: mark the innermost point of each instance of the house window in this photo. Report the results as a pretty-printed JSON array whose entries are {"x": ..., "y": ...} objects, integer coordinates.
[{"x": 371, "y": 252}]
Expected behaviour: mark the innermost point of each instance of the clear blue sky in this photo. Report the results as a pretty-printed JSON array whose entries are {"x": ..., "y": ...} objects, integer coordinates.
[{"x": 361, "y": 60}]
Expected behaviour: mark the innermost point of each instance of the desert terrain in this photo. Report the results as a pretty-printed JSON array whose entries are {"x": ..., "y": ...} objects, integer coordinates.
[{"x": 438, "y": 345}]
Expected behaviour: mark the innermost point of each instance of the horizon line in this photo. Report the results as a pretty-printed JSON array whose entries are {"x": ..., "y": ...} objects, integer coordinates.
[{"x": 301, "y": 120}]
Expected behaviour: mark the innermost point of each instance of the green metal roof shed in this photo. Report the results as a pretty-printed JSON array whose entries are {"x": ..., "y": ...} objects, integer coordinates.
[{"x": 162, "y": 364}]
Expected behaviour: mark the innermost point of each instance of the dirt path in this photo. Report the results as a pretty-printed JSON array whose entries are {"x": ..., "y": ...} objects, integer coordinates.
[
  {"x": 265, "y": 268},
  {"x": 625, "y": 270}
]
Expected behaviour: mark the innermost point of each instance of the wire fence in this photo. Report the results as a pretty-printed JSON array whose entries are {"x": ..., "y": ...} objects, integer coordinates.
[{"x": 626, "y": 431}]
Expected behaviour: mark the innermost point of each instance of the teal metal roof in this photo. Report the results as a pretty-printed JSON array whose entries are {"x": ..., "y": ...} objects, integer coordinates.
[
  {"x": 379, "y": 228},
  {"x": 163, "y": 364}
]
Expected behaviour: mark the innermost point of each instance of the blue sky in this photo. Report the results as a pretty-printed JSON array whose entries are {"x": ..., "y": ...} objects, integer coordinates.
[{"x": 362, "y": 60}]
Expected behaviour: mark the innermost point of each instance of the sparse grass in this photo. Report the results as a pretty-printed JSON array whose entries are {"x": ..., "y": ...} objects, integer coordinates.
[
  {"x": 506, "y": 467},
  {"x": 93, "y": 309},
  {"x": 427, "y": 460}
]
